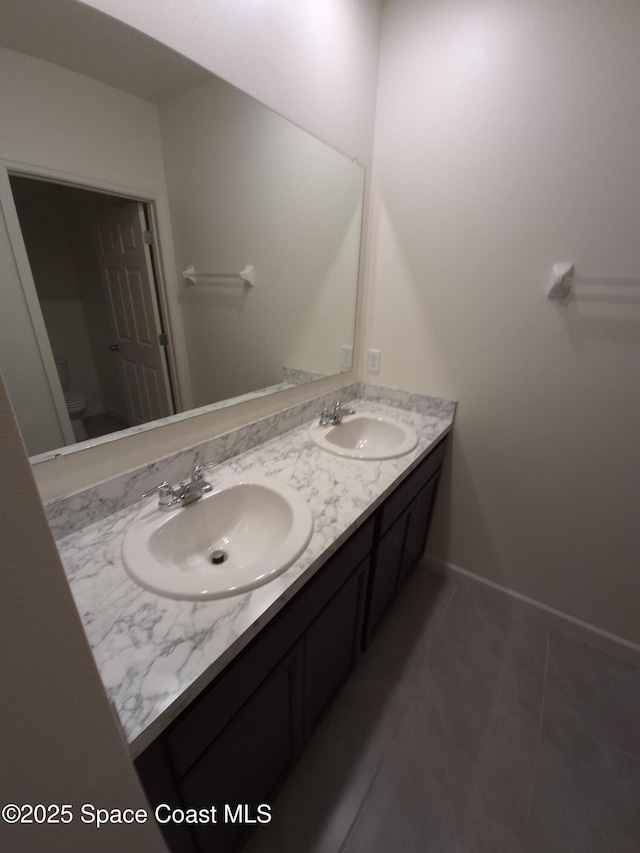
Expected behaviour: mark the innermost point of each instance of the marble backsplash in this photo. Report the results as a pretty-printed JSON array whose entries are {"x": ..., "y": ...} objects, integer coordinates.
[{"x": 75, "y": 511}]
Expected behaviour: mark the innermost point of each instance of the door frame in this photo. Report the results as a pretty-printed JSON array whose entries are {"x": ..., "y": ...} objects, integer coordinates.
[
  {"x": 167, "y": 297},
  {"x": 111, "y": 257}
]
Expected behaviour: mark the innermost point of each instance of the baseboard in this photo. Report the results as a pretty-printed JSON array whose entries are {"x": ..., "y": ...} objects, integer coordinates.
[{"x": 585, "y": 630}]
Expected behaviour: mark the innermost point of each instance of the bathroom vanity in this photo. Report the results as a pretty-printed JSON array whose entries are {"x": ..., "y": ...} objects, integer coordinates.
[
  {"x": 217, "y": 698},
  {"x": 234, "y": 745}
]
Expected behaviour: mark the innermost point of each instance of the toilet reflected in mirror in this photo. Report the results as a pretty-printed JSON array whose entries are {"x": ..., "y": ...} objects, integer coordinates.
[{"x": 75, "y": 401}]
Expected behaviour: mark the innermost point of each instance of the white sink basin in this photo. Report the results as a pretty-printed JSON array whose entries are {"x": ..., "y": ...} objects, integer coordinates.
[
  {"x": 365, "y": 437},
  {"x": 255, "y": 526}
]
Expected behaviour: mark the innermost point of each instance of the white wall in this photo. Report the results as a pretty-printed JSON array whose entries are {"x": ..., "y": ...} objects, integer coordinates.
[
  {"x": 248, "y": 187},
  {"x": 506, "y": 140},
  {"x": 58, "y": 119},
  {"x": 315, "y": 62},
  {"x": 59, "y": 740}
]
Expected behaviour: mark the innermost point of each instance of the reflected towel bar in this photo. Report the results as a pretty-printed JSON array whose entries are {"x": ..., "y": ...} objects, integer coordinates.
[
  {"x": 246, "y": 276},
  {"x": 562, "y": 279}
]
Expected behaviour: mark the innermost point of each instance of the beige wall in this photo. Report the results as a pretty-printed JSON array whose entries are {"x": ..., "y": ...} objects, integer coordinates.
[
  {"x": 506, "y": 140},
  {"x": 54, "y": 118},
  {"x": 60, "y": 743},
  {"x": 248, "y": 187}
]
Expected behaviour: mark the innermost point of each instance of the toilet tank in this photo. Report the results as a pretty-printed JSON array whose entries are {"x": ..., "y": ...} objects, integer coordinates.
[{"x": 62, "y": 366}]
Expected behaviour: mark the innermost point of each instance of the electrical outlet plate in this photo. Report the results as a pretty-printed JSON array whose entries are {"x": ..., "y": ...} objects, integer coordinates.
[{"x": 373, "y": 361}]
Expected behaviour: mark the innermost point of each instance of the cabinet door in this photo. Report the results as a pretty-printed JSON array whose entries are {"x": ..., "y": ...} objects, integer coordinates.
[
  {"x": 418, "y": 529},
  {"x": 249, "y": 758},
  {"x": 159, "y": 784},
  {"x": 386, "y": 570},
  {"x": 332, "y": 645}
]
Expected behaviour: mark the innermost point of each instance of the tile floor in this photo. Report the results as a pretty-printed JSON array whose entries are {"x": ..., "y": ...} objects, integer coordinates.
[{"x": 473, "y": 723}]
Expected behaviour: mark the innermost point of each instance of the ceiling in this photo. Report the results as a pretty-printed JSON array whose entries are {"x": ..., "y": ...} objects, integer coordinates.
[{"x": 84, "y": 40}]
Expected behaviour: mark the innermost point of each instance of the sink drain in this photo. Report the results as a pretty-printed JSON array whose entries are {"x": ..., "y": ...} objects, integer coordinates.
[{"x": 218, "y": 557}]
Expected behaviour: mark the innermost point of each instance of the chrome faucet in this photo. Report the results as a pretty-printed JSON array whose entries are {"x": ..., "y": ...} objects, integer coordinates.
[
  {"x": 184, "y": 494},
  {"x": 329, "y": 418}
]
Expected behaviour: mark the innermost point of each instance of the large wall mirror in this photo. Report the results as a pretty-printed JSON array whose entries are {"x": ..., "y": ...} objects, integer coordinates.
[{"x": 168, "y": 245}]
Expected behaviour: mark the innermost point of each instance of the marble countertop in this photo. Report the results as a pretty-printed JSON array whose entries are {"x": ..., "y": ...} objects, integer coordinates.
[{"x": 156, "y": 654}]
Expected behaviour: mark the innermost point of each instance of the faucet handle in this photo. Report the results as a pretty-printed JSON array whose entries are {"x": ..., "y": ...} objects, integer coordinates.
[
  {"x": 339, "y": 410},
  {"x": 198, "y": 468},
  {"x": 197, "y": 477},
  {"x": 164, "y": 488},
  {"x": 325, "y": 416},
  {"x": 166, "y": 495}
]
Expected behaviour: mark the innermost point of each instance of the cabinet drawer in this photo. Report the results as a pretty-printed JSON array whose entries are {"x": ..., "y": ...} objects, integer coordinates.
[{"x": 407, "y": 491}]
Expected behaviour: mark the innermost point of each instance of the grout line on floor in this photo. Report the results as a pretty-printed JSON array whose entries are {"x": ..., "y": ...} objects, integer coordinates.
[
  {"x": 429, "y": 645},
  {"x": 542, "y": 703},
  {"x": 361, "y": 807}
]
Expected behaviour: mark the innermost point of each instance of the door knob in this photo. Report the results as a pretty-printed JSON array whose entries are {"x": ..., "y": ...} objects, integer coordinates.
[{"x": 115, "y": 347}]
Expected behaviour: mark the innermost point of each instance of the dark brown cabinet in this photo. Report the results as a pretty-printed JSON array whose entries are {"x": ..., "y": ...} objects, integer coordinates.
[
  {"x": 248, "y": 759},
  {"x": 332, "y": 645},
  {"x": 388, "y": 564},
  {"x": 402, "y": 525},
  {"x": 237, "y": 741},
  {"x": 416, "y": 540}
]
